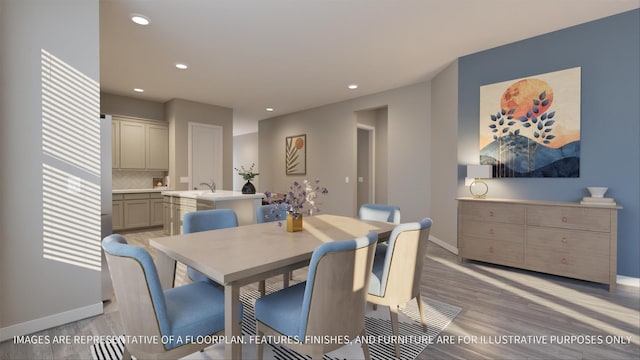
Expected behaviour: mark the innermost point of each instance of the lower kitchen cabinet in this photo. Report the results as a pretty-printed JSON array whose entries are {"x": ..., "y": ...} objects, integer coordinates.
[{"x": 137, "y": 210}]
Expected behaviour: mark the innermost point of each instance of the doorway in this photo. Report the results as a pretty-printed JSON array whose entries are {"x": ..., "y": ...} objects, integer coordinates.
[
  {"x": 205, "y": 155},
  {"x": 366, "y": 165},
  {"x": 371, "y": 156}
]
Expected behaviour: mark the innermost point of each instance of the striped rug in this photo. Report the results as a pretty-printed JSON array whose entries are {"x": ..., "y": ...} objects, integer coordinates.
[{"x": 381, "y": 345}]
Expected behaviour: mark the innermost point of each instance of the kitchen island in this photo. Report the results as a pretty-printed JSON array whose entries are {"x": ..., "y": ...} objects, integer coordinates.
[{"x": 178, "y": 203}]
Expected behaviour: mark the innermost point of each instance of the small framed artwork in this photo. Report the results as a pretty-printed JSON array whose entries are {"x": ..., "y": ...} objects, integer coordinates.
[{"x": 296, "y": 155}]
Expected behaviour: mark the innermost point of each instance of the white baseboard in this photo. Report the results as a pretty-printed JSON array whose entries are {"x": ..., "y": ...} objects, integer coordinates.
[
  {"x": 47, "y": 322},
  {"x": 628, "y": 281},
  {"x": 444, "y": 244}
]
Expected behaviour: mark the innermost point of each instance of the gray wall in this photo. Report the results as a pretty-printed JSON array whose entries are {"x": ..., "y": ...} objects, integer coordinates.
[
  {"x": 331, "y": 151},
  {"x": 179, "y": 113},
  {"x": 444, "y": 172},
  {"x": 127, "y": 106},
  {"x": 608, "y": 51},
  {"x": 37, "y": 293}
]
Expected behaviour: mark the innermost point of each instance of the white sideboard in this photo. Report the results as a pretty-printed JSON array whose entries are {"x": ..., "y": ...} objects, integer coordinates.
[{"x": 561, "y": 238}]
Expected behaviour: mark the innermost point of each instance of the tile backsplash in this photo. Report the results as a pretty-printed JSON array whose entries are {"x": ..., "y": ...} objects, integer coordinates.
[{"x": 125, "y": 179}]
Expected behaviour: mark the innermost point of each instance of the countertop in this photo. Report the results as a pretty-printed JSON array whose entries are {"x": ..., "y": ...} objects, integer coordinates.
[
  {"x": 219, "y": 195},
  {"x": 137, "y": 191}
]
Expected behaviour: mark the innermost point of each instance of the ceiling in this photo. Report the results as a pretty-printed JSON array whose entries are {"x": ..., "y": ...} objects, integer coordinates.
[{"x": 293, "y": 55}]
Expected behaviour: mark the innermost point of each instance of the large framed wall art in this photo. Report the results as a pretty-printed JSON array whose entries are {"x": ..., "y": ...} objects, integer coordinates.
[
  {"x": 296, "y": 155},
  {"x": 530, "y": 127}
]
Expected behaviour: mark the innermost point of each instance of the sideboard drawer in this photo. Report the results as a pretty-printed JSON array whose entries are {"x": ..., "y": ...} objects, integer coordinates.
[
  {"x": 571, "y": 264},
  {"x": 494, "y": 251},
  {"x": 570, "y": 218},
  {"x": 500, "y": 213},
  {"x": 568, "y": 240},
  {"x": 494, "y": 231}
]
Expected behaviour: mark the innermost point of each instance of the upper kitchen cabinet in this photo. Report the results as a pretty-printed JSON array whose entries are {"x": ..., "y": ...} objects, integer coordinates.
[{"x": 142, "y": 145}]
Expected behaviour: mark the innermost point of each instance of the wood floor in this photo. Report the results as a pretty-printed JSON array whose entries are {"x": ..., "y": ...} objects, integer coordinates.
[{"x": 506, "y": 314}]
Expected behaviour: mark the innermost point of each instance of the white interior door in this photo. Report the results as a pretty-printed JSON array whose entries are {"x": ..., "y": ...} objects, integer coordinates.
[{"x": 205, "y": 155}]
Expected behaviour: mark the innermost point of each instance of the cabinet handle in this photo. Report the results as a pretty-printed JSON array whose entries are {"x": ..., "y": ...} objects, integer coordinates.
[
  {"x": 491, "y": 231},
  {"x": 564, "y": 240},
  {"x": 564, "y": 260},
  {"x": 564, "y": 219},
  {"x": 490, "y": 213},
  {"x": 491, "y": 249}
]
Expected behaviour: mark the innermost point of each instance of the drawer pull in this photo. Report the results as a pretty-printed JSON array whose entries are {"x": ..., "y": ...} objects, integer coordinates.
[
  {"x": 491, "y": 249},
  {"x": 564, "y": 240},
  {"x": 491, "y": 213},
  {"x": 564, "y": 219},
  {"x": 491, "y": 231},
  {"x": 564, "y": 260}
]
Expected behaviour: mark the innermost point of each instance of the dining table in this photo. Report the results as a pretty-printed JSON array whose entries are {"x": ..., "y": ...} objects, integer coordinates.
[{"x": 239, "y": 256}]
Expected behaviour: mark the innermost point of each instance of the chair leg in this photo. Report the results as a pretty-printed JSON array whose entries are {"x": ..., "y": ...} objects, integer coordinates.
[
  {"x": 365, "y": 346},
  {"x": 423, "y": 316},
  {"x": 375, "y": 307},
  {"x": 393, "y": 312},
  {"x": 262, "y": 288},
  {"x": 285, "y": 279}
]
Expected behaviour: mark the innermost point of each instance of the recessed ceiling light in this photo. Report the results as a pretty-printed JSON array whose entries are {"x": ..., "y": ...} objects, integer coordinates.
[
  {"x": 138, "y": 90},
  {"x": 140, "y": 19},
  {"x": 182, "y": 66},
  {"x": 269, "y": 109},
  {"x": 353, "y": 86}
]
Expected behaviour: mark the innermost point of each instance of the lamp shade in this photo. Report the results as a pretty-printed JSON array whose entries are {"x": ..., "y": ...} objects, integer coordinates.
[{"x": 479, "y": 171}]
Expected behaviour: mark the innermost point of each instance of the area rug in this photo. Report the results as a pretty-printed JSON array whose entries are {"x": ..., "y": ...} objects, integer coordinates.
[{"x": 412, "y": 338}]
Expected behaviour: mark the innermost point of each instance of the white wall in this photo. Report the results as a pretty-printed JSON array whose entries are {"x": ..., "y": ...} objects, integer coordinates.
[
  {"x": 331, "y": 151},
  {"x": 245, "y": 153},
  {"x": 37, "y": 293}
]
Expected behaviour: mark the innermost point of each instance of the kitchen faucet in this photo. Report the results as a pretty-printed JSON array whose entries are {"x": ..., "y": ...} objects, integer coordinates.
[{"x": 211, "y": 186}]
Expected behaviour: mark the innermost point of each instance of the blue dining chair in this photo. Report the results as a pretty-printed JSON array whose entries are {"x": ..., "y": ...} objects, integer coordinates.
[
  {"x": 205, "y": 220},
  {"x": 397, "y": 272},
  {"x": 330, "y": 304},
  {"x": 271, "y": 213},
  {"x": 176, "y": 316},
  {"x": 380, "y": 212}
]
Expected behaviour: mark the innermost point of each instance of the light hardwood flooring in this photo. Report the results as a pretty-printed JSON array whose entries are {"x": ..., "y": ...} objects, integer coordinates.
[{"x": 506, "y": 314}]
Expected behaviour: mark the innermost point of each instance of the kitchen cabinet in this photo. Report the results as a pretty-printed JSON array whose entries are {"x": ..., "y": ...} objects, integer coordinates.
[
  {"x": 133, "y": 150},
  {"x": 115, "y": 144},
  {"x": 561, "y": 238},
  {"x": 136, "y": 210},
  {"x": 140, "y": 144},
  {"x": 157, "y": 147},
  {"x": 117, "y": 212},
  {"x": 156, "y": 210}
]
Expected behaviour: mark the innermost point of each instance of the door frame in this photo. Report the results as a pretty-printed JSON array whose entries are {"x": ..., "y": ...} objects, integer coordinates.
[
  {"x": 372, "y": 161},
  {"x": 191, "y": 125}
]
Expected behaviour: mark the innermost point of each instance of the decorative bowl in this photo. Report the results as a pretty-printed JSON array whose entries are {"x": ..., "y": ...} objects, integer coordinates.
[{"x": 597, "y": 192}]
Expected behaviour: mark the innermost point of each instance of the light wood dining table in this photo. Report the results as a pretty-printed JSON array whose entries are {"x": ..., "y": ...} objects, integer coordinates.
[{"x": 243, "y": 255}]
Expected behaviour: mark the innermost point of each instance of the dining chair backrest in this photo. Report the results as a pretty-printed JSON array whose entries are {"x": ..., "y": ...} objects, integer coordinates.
[
  {"x": 333, "y": 302},
  {"x": 136, "y": 284},
  {"x": 380, "y": 212},
  {"x": 204, "y": 220},
  {"x": 271, "y": 212},
  {"x": 404, "y": 259}
]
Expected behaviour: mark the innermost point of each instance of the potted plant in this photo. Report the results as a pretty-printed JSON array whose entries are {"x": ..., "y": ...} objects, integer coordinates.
[
  {"x": 301, "y": 198},
  {"x": 247, "y": 175}
]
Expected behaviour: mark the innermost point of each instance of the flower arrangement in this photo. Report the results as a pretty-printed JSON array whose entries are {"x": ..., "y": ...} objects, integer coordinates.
[
  {"x": 301, "y": 197},
  {"x": 247, "y": 175}
]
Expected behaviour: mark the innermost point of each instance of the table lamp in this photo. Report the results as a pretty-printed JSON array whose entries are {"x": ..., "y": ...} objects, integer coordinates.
[{"x": 475, "y": 174}]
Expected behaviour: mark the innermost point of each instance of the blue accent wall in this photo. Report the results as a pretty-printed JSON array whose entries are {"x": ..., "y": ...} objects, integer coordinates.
[{"x": 608, "y": 51}]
